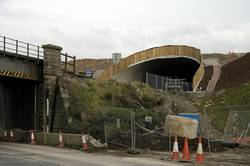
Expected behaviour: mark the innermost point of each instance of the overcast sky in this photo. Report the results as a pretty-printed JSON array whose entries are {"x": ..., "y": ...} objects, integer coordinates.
[{"x": 96, "y": 28}]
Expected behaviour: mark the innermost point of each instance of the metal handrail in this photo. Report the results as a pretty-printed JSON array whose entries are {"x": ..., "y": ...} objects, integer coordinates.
[
  {"x": 20, "y": 48},
  {"x": 68, "y": 61},
  {"x": 72, "y": 57},
  {"x": 30, "y": 50}
]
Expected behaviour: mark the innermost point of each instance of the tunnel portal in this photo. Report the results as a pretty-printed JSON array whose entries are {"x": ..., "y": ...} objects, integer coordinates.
[
  {"x": 17, "y": 103},
  {"x": 178, "y": 68},
  {"x": 170, "y": 63}
]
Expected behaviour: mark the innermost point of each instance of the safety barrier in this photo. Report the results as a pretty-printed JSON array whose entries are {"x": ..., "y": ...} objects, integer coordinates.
[{"x": 15, "y": 74}]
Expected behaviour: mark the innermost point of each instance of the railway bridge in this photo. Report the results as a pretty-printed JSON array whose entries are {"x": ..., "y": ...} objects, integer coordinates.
[{"x": 28, "y": 78}]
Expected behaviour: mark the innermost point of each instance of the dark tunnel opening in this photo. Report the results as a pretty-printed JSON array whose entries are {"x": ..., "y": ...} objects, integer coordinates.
[
  {"x": 17, "y": 103},
  {"x": 180, "y": 68}
]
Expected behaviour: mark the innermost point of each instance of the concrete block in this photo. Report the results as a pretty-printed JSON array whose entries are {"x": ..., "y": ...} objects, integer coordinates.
[{"x": 180, "y": 126}]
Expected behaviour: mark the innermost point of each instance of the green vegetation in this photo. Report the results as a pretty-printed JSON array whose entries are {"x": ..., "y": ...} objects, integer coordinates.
[
  {"x": 94, "y": 95},
  {"x": 91, "y": 99},
  {"x": 233, "y": 99}
]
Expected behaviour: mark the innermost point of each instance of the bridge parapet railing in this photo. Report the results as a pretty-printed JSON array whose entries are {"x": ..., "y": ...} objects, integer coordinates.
[
  {"x": 20, "y": 48},
  {"x": 68, "y": 63}
]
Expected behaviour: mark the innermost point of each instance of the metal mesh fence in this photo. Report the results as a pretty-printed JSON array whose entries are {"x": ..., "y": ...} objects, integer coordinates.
[
  {"x": 167, "y": 83},
  {"x": 132, "y": 128},
  {"x": 141, "y": 129},
  {"x": 117, "y": 128},
  {"x": 232, "y": 121},
  {"x": 238, "y": 124}
]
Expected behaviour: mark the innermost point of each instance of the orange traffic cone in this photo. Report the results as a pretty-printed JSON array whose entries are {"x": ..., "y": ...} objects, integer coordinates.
[
  {"x": 32, "y": 137},
  {"x": 11, "y": 136},
  {"x": 186, "y": 155},
  {"x": 5, "y": 136},
  {"x": 175, "y": 153},
  {"x": 199, "y": 154},
  {"x": 84, "y": 143},
  {"x": 61, "y": 144}
]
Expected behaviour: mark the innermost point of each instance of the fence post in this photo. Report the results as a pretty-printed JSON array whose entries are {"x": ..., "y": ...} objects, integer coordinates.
[
  {"x": 175, "y": 84},
  {"x": 104, "y": 125},
  {"x": 74, "y": 67},
  {"x": 38, "y": 52},
  {"x": 169, "y": 137},
  {"x": 131, "y": 128},
  {"x": 162, "y": 87},
  {"x": 134, "y": 129},
  {"x": 4, "y": 43},
  {"x": 65, "y": 65},
  {"x": 207, "y": 134},
  {"x": 16, "y": 47},
  {"x": 28, "y": 49},
  {"x": 133, "y": 132},
  {"x": 156, "y": 82}
]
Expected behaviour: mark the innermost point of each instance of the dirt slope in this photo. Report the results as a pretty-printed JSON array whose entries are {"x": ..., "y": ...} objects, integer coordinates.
[
  {"x": 235, "y": 73},
  {"x": 92, "y": 64}
]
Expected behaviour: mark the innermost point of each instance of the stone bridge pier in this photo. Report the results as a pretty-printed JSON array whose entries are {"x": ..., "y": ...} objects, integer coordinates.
[
  {"x": 32, "y": 84},
  {"x": 49, "y": 87}
]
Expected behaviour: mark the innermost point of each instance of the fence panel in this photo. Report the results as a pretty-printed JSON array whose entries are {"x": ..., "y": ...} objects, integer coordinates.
[
  {"x": 232, "y": 121},
  {"x": 166, "y": 83}
]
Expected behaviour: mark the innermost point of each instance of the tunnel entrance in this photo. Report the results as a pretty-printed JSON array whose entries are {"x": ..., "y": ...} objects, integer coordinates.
[
  {"x": 179, "y": 68},
  {"x": 17, "y": 103}
]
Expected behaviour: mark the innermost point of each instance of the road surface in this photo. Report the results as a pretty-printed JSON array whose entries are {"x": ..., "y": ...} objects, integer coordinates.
[{"x": 13, "y": 154}]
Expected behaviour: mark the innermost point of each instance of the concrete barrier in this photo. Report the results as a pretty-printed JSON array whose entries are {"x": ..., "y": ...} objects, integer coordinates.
[
  {"x": 70, "y": 140},
  {"x": 19, "y": 135},
  {"x": 52, "y": 139}
]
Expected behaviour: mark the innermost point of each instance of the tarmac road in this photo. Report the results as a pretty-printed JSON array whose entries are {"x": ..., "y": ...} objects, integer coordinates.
[{"x": 14, "y": 154}]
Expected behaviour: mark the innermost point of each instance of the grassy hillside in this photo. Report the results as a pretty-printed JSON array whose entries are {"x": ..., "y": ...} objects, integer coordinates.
[
  {"x": 92, "y": 95},
  {"x": 232, "y": 99},
  {"x": 90, "y": 99}
]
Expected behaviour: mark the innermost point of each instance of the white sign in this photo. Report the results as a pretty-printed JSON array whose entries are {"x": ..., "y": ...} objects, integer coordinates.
[{"x": 148, "y": 119}]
